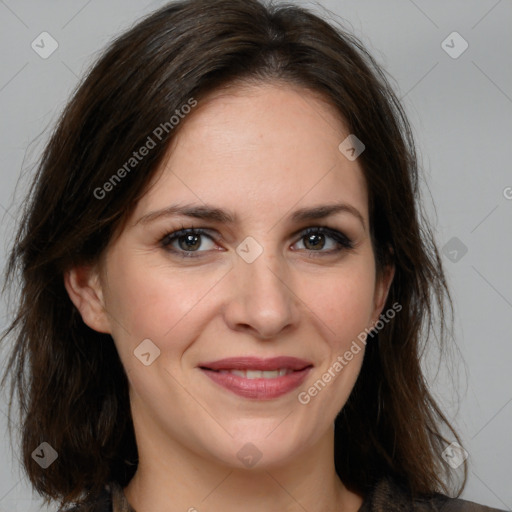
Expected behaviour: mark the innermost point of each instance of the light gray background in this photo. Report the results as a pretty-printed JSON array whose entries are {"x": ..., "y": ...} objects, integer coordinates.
[{"x": 461, "y": 113}]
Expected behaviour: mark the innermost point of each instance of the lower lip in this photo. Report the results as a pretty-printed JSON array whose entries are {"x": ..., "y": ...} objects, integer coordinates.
[{"x": 260, "y": 389}]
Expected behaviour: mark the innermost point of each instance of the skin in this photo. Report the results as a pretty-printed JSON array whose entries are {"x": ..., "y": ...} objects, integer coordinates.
[{"x": 262, "y": 152}]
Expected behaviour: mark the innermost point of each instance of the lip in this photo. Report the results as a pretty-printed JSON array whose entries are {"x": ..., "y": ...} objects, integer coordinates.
[
  {"x": 259, "y": 389},
  {"x": 257, "y": 363}
]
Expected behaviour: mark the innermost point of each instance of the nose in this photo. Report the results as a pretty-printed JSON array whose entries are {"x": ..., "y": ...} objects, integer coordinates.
[{"x": 262, "y": 301}]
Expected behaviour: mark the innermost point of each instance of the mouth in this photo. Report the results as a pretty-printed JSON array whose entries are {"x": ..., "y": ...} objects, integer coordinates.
[
  {"x": 255, "y": 378},
  {"x": 258, "y": 374}
]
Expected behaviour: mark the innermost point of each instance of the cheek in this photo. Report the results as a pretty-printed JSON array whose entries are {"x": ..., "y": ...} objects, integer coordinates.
[
  {"x": 343, "y": 300},
  {"x": 170, "y": 305},
  {"x": 153, "y": 301}
]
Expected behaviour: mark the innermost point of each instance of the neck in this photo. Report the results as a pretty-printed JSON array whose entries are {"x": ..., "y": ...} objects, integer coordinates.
[{"x": 176, "y": 478}]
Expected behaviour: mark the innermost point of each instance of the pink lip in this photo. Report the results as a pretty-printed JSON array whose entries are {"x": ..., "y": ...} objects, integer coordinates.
[
  {"x": 256, "y": 363},
  {"x": 260, "y": 389}
]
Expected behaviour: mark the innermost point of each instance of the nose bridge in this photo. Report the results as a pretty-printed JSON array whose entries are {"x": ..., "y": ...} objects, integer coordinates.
[
  {"x": 264, "y": 298},
  {"x": 263, "y": 272}
]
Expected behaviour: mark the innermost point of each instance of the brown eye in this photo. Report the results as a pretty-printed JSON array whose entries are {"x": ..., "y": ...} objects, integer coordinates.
[
  {"x": 314, "y": 241},
  {"x": 317, "y": 238},
  {"x": 186, "y": 242},
  {"x": 189, "y": 242}
]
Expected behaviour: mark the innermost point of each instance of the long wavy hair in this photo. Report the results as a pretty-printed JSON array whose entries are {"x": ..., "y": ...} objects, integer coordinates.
[{"x": 68, "y": 380}]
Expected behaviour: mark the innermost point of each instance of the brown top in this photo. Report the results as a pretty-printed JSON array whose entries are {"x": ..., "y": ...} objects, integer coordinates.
[{"x": 386, "y": 496}]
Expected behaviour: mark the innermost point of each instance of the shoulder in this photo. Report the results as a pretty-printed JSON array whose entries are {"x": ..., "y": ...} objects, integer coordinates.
[
  {"x": 101, "y": 502},
  {"x": 389, "y": 496}
]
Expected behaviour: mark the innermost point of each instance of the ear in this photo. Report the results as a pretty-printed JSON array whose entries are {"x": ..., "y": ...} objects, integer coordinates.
[
  {"x": 85, "y": 291},
  {"x": 382, "y": 286}
]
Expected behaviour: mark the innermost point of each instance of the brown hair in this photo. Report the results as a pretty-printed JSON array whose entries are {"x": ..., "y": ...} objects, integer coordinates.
[{"x": 70, "y": 383}]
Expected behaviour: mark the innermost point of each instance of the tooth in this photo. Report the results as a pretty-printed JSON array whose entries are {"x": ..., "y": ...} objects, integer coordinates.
[
  {"x": 258, "y": 374},
  {"x": 254, "y": 374}
]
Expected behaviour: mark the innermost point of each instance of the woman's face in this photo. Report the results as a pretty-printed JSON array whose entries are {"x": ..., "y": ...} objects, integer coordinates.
[{"x": 256, "y": 286}]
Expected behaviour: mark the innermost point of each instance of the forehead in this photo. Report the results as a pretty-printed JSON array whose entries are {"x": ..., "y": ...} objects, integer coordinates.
[{"x": 259, "y": 148}]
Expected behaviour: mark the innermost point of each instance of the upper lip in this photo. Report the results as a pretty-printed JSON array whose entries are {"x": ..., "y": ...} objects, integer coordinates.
[{"x": 256, "y": 363}]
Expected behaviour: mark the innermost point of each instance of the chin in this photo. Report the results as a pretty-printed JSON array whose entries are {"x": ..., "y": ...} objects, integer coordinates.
[{"x": 259, "y": 451}]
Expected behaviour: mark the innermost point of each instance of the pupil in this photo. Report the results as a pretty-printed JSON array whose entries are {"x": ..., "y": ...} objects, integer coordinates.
[
  {"x": 192, "y": 241},
  {"x": 189, "y": 242},
  {"x": 310, "y": 240}
]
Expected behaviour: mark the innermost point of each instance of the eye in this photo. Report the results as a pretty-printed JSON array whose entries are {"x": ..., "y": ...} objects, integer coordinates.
[
  {"x": 190, "y": 242},
  {"x": 316, "y": 238},
  {"x": 186, "y": 241}
]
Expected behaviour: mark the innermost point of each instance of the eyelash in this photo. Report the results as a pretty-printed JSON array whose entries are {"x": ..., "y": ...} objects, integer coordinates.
[{"x": 342, "y": 240}]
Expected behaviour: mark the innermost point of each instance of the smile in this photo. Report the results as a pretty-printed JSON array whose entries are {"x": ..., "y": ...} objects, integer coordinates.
[
  {"x": 258, "y": 379},
  {"x": 258, "y": 374}
]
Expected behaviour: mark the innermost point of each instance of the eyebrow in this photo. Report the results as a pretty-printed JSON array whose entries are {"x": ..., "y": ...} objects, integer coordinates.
[{"x": 207, "y": 212}]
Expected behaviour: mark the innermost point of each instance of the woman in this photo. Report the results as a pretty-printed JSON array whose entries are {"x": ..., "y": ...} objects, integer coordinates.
[{"x": 226, "y": 277}]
